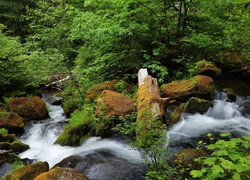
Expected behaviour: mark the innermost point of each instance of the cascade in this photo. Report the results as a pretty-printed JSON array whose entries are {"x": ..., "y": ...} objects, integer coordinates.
[
  {"x": 40, "y": 136},
  {"x": 223, "y": 116}
]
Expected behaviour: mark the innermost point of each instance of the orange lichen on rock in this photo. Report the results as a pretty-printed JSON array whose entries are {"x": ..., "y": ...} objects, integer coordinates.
[
  {"x": 28, "y": 108},
  {"x": 111, "y": 103}
]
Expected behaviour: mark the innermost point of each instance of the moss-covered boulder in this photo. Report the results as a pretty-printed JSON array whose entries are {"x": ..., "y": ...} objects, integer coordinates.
[
  {"x": 194, "y": 105},
  {"x": 185, "y": 158},
  {"x": 111, "y": 104},
  {"x": 114, "y": 85},
  {"x": 59, "y": 173},
  {"x": 74, "y": 136},
  {"x": 11, "y": 121},
  {"x": 199, "y": 86},
  {"x": 29, "y": 172},
  {"x": 233, "y": 63},
  {"x": 28, "y": 108},
  {"x": 207, "y": 68},
  {"x": 11, "y": 143}
]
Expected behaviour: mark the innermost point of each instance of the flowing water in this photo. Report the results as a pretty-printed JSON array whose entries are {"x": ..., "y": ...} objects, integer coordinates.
[
  {"x": 232, "y": 117},
  {"x": 40, "y": 136}
]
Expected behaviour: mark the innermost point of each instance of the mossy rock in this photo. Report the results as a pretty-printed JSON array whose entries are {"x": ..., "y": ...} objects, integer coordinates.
[
  {"x": 29, "y": 172},
  {"x": 18, "y": 146},
  {"x": 9, "y": 137},
  {"x": 194, "y": 105},
  {"x": 74, "y": 136},
  {"x": 114, "y": 85},
  {"x": 207, "y": 68},
  {"x": 230, "y": 94},
  {"x": 199, "y": 86},
  {"x": 185, "y": 158},
  {"x": 59, "y": 173}
]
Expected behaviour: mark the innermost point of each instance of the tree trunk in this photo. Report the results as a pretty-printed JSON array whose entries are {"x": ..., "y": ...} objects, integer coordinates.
[{"x": 150, "y": 108}]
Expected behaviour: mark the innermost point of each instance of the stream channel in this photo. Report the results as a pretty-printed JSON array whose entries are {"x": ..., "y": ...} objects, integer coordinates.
[{"x": 112, "y": 157}]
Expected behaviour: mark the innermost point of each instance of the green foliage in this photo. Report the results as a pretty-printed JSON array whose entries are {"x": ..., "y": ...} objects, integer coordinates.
[
  {"x": 156, "y": 157},
  {"x": 126, "y": 124},
  {"x": 3, "y": 130},
  {"x": 228, "y": 160}
]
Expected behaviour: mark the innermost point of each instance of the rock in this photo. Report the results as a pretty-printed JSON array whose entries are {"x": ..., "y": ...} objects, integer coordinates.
[
  {"x": 29, "y": 172},
  {"x": 4, "y": 156},
  {"x": 233, "y": 63},
  {"x": 103, "y": 164},
  {"x": 230, "y": 94},
  {"x": 18, "y": 146},
  {"x": 11, "y": 121},
  {"x": 59, "y": 173},
  {"x": 28, "y": 108},
  {"x": 185, "y": 158},
  {"x": 114, "y": 85},
  {"x": 193, "y": 105},
  {"x": 113, "y": 104},
  {"x": 10, "y": 142},
  {"x": 199, "y": 86},
  {"x": 73, "y": 136},
  {"x": 207, "y": 68}
]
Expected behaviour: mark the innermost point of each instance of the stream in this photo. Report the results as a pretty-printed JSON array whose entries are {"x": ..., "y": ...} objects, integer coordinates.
[{"x": 112, "y": 158}]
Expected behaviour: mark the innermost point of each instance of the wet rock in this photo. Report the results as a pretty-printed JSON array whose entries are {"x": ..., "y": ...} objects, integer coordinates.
[
  {"x": 73, "y": 136},
  {"x": 4, "y": 156},
  {"x": 59, "y": 173},
  {"x": 102, "y": 164},
  {"x": 194, "y": 105},
  {"x": 230, "y": 94},
  {"x": 29, "y": 172},
  {"x": 28, "y": 108},
  {"x": 199, "y": 86}
]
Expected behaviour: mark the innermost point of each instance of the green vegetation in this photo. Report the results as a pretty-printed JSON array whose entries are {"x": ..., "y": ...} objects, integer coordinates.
[
  {"x": 102, "y": 40},
  {"x": 228, "y": 159},
  {"x": 3, "y": 130}
]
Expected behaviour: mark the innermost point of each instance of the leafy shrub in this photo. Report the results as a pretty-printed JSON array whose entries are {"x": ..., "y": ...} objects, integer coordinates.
[
  {"x": 228, "y": 160},
  {"x": 3, "y": 130}
]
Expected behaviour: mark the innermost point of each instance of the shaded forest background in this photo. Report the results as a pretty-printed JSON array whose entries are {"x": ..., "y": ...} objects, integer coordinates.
[{"x": 96, "y": 41}]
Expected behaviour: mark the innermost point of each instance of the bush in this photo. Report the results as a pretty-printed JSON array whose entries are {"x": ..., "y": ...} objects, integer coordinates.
[{"x": 228, "y": 160}]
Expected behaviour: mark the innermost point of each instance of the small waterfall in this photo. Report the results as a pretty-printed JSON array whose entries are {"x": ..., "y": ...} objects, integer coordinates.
[
  {"x": 222, "y": 117},
  {"x": 40, "y": 136}
]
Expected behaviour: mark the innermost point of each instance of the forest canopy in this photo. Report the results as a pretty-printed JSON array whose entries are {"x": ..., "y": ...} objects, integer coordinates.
[{"x": 101, "y": 40}]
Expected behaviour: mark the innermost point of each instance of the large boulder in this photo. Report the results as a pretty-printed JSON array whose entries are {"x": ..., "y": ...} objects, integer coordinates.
[
  {"x": 111, "y": 104},
  {"x": 114, "y": 85},
  {"x": 11, "y": 121},
  {"x": 28, "y": 108},
  {"x": 59, "y": 173},
  {"x": 29, "y": 172},
  {"x": 207, "y": 68},
  {"x": 104, "y": 164},
  {"x": 233, "y": 63},
  {"x": 199, "y": 86}
]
